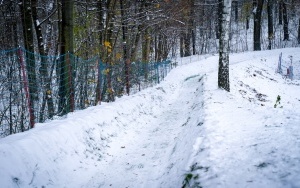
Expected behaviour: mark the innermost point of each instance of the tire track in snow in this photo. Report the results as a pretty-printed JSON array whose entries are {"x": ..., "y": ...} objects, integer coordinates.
[{"x": 155, "y": 148}]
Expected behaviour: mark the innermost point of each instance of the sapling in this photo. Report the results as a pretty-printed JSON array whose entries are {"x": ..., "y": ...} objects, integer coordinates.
[{"x": 277, "y": 101}]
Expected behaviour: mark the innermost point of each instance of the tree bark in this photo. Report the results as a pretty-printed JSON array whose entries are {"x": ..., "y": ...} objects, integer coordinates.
[
  {"x": 299, "y": 32},
  {"x": 44, "y": 69},
  {"x": 100, "y": 6},
  {"x": 181, "y": 44},
  {"x": 280, "y": 7},
  {"x": 110, "y": 6},
  {"x": 270, "y": 23},
  {"x": 66, "y": 85},
  {"x": 236, "y": 10},
  {"x": 26, "y": 14},
  {"x": 126, "y": 55},
  {"x": 257, "y": 24},
  {"x": 192, "y": 27},
  {"x": 285, "y": 22},
  {"x": 223, "y": 73},
  {"x": 187, "y": 44}
]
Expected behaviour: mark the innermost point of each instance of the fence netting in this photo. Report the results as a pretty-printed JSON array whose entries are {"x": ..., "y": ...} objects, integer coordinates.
[{"x": 36, "y": 88}]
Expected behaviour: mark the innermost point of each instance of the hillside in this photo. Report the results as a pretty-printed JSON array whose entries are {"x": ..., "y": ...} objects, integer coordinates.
[{"x": 183, "y": 132}]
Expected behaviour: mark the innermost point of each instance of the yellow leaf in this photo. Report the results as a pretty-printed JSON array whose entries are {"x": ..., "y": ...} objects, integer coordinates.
[
  {"x": 106, "y": 71},
  {"x": 109, "y": 90},
  {"x": 107, "y": 44},
  {"x": 118, "y": 56}
]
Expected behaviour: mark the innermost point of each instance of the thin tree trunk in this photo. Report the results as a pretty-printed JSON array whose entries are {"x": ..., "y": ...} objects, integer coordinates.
[
  {"x": 181, "y": 44},
  {"x": 187, "y": 44},
  {"x": 236, "y": 10},
  {"x": 270, "y": 23},
  {"x": 192, "y": 26},
  {"x": 125, "y": 46},
  {"x": 44, "y": 68},
  {"x": 280, "y": 7},
  {"x": 108, "y": 34},
  {"x": 299, "y": 32},
  {"x": 100, "y": 5},
  {"x": 26, "y": 15},
  {"x": 146, "y": 50},
  {"x": 223, "y": 73},
  {"x": 247, "y": 23},
  {"x": 194, "y": 41}
]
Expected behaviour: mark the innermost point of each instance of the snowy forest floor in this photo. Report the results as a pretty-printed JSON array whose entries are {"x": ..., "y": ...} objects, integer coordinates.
[{"x": 183, "y": 132}]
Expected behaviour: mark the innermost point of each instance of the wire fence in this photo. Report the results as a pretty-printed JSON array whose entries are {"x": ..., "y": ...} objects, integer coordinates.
[{"x": 36, "y": 88}]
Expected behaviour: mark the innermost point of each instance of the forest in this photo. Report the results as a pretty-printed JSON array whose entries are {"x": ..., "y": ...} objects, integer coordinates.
[{"x": 58, "y": 56}]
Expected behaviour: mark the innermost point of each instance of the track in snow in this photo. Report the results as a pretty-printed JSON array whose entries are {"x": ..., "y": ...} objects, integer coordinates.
[{"x": 156, "y": 147}]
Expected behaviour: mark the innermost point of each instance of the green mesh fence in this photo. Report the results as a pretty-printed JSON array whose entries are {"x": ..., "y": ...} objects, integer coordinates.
[{"x": 35, "y": 88}]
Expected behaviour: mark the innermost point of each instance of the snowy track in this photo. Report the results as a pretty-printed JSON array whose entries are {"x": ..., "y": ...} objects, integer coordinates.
[{"x": 155, "y": 152}]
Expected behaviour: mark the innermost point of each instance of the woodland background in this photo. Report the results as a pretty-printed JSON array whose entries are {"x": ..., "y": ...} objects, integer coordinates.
[{"x": 57, "y": 56}]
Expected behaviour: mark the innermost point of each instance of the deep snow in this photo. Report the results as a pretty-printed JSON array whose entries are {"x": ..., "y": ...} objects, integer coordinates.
[{"x": 184, "y": 131}]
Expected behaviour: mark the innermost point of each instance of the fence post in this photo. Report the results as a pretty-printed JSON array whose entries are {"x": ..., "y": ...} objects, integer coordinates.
[{"x": 26, "y": 88}]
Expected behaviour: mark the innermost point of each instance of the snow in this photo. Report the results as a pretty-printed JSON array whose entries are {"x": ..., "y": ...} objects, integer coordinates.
[{"x": 183, "y": 127}]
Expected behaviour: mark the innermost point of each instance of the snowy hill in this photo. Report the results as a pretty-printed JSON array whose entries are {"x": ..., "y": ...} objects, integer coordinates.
[{"x": 182, "y": 132}]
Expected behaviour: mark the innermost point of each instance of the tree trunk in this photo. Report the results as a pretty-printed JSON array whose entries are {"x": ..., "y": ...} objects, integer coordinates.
[
  {"x": 285, "y": 22},
  {"x": 181, "y": 44},
  {"x": 146, "y": 46},
  {"x": 223, "y": 73},
  {"x": 146, "y": 50},
  {"x": 270, "y": 23},
  {"x": 299, "y": 32},
  {"x": 26, "y": 15},
  {"x": 101, "y": 6},
  {"x": 247, "y": 23},
  {"x": 257, "y": 24},
  {"x": 126, "y": 55},
  {"x": 193, "y": 33},
  {"x": 107, "y": 57},
  {"x": 192, "y": 27},
  {"x": 44, "y": 69},
  {"x": 65, "y": 90},
  {"x": 187, "y": 44},
  {"x": 280, "y": 7},
  {"x": 236, "y": 10}
]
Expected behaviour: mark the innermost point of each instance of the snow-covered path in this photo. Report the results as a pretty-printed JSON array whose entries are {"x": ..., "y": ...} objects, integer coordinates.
[{"x": 154, "y": 151}]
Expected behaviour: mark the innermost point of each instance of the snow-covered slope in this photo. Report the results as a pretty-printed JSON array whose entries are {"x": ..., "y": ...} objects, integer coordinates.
[{"x": 184, "y": 131}]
